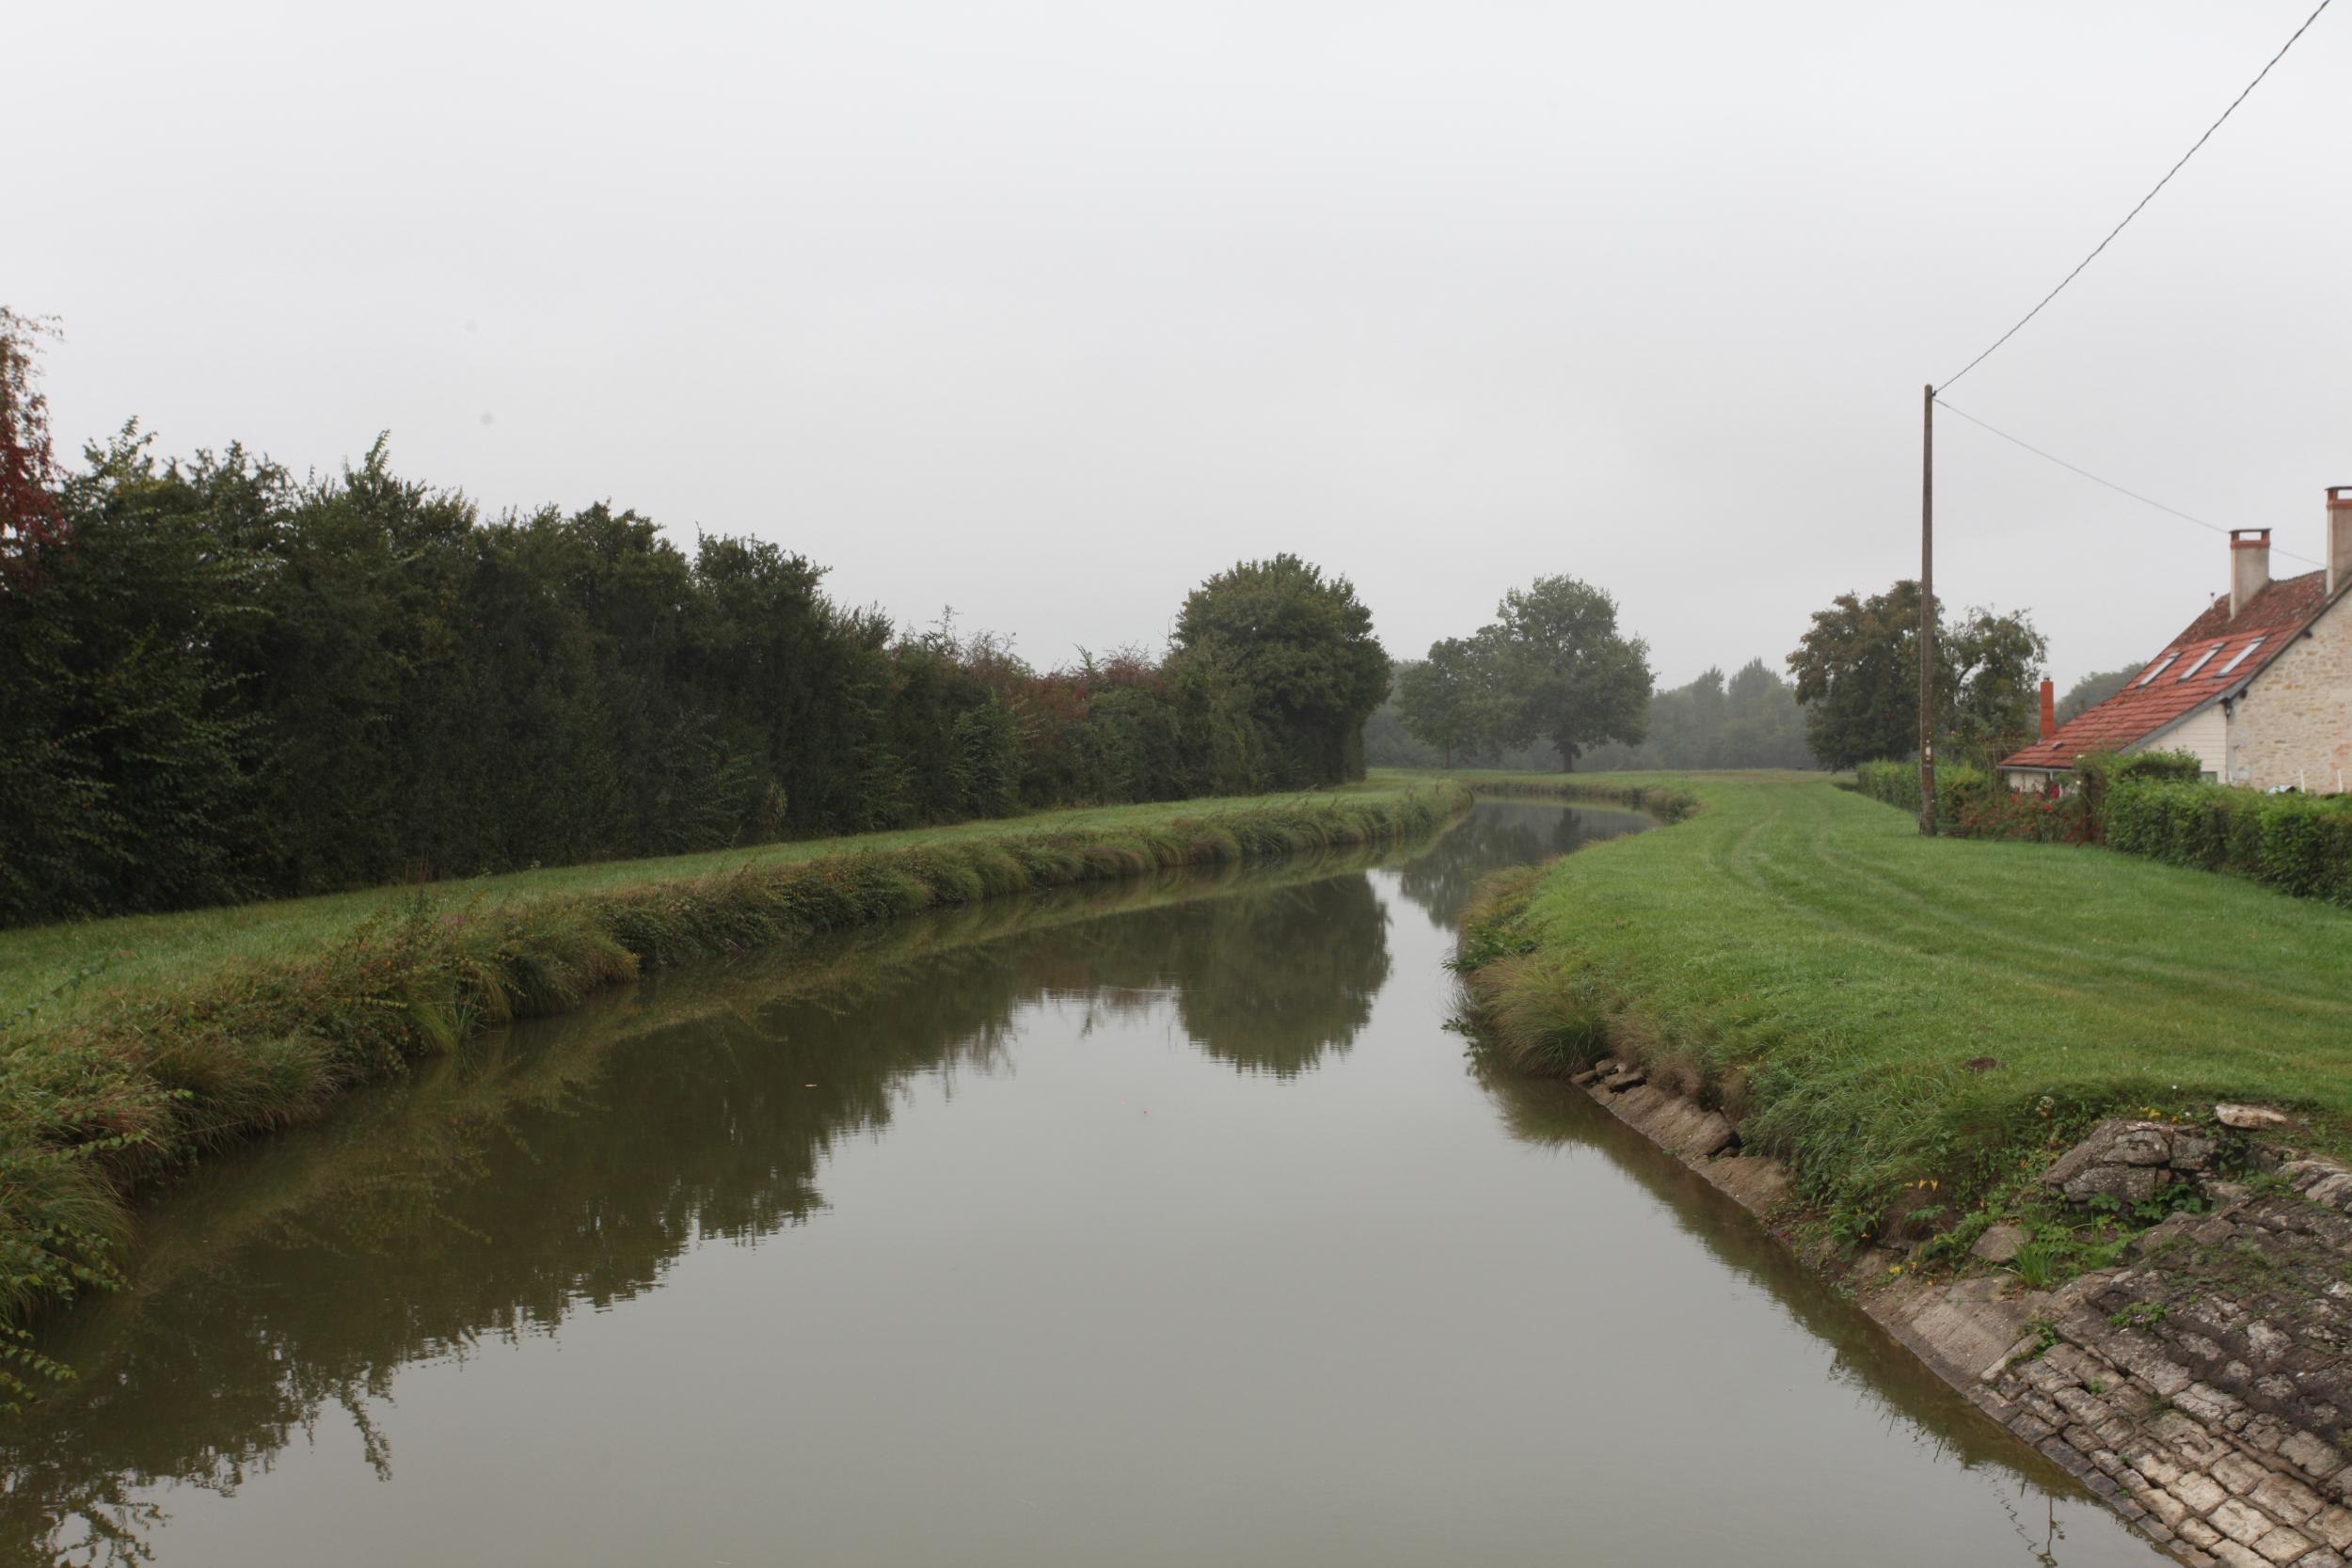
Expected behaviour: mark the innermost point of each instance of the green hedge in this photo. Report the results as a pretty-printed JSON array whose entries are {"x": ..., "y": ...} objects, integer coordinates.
[
  {"x": 1961, "y": 790},
  {"x": 2299, "y": 844},
  {"x": 2153, "y": 803}
]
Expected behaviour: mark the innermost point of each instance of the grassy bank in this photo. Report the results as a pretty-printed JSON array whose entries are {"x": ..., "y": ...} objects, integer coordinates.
[
  {"x": 1884, "y": 1011},
  {"x": 229, "y": 1022},
  {"x": 1663, "y": 794},
  {"x": 79, "y": 965}
]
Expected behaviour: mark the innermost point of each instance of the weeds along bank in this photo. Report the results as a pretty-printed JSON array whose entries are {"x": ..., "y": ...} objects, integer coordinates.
[
  {"x": 1883, "y": 1011},
  {"x": 100, "y": 1097}
]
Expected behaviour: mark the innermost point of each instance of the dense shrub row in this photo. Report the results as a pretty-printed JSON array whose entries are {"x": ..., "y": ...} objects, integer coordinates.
[
  {"x": 2299, "y": 844},
  {"x": 2153, "y": 803},
  {"x": 224, "y": 683},
  {"x": 1967, "y": 800}
]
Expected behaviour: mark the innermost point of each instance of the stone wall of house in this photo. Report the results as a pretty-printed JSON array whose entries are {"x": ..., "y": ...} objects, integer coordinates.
[{"x": 2294, "y": 724}]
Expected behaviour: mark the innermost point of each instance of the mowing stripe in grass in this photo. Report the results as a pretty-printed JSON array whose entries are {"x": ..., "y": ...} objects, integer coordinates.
[{"x": 1805, "y": 959}]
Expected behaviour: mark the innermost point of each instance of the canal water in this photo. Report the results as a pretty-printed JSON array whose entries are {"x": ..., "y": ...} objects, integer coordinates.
[{"x": 1161, "y": 1224}]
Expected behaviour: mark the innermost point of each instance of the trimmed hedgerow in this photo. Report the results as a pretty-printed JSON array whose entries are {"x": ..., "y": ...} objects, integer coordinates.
[
  {"x": 2299, "y": 844},
  {"x": 2153, "y": 803},
  {"x": 1965, "y": 794}
]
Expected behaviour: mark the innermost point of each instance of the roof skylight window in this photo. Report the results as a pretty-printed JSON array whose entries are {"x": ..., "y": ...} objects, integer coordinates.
[
  {"x": 2162, "y": 665},
  {"x": 2203, "y": 659},
  {"x": 2240, "y": 657}
]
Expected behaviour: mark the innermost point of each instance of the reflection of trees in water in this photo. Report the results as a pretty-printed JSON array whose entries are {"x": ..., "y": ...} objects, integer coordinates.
[
  {"x": 1500, "y": 834},
  {"x": 575, "y": 1160},
  {"x": 1265, "y": 978},
  {"x": 496, "y": 1221}
]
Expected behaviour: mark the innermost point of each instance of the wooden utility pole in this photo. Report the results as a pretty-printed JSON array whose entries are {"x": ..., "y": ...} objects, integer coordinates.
[{"x": 1927, "y": 614}]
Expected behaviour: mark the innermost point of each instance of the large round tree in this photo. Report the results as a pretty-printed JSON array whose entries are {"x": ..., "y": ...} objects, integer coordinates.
[
  {"x": 1564, "y": 673},
  {"x": 1300, "y": 647}
]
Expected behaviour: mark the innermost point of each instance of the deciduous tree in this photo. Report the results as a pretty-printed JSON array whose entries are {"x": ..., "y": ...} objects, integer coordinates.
[
  {"x": 1446, "y": 699},
  {"x": 1300, "y": 648},
  {"x": 31, "y": 519},
  {"x": 1564, "y": 672},
  {"x": 1858, "y": 677}
]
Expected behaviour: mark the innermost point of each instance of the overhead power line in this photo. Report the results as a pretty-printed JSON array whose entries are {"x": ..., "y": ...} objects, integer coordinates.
[
  {"x": 2070, "y": 467},
  {"x": 2143, "y": 202}
]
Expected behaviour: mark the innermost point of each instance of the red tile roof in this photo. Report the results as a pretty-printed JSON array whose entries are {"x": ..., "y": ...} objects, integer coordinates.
[{"x": 2214, "y": 657}]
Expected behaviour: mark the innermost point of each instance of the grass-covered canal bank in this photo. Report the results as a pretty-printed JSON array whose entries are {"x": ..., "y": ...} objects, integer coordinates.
[
  {"x": 1882, "y": 1011},
  {"x": 199, "y": 1029},
  {"x": 964, "y": 1193}
]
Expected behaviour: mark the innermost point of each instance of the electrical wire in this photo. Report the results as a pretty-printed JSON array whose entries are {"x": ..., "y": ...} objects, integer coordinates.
[
  {"x": 2052, "y": 457},
  {"x": 2144, "y": 201}
]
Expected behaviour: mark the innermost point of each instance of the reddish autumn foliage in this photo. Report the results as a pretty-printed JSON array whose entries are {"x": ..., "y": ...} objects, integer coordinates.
[{"x": 30, "y": 520}]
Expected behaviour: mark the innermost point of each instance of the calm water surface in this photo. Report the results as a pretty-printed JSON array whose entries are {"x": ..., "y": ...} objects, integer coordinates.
[{"x": 1156, "y": 1225}]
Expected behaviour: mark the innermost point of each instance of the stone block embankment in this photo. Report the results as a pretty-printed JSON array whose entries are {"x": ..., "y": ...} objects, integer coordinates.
[{"x": 2203, "y": 1390}]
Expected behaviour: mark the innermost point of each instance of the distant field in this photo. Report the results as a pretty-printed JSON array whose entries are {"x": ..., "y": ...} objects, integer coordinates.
[
  {"x": 144, "y": 952},
  {"x": 1814, "y": 962}
]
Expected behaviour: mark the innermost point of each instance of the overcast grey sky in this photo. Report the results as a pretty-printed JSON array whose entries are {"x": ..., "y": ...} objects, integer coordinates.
[{"x": 1046, "y": 311}]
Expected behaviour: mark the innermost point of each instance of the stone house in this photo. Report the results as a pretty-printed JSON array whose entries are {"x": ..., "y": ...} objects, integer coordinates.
[{"x": 2259, "y": 685}]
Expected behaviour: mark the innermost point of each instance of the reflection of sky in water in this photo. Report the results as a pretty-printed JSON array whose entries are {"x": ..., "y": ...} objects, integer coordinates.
[{"x": 1155, "y": 1224}]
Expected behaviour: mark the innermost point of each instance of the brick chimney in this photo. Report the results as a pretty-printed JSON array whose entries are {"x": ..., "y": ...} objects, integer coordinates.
[
  {"x": 2339, "y": 536},
  {"x": 2249, "y": 564},
  {"x": 2049, "y": 710}
]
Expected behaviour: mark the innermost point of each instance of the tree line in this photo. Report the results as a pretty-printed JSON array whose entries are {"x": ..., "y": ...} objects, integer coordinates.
[
  {"x": 225, "y": 683},
  {"x": 1748, "y": 719},
  {"x": 1553, "y": 681},
  {"x": 1857, "y": 670},
  {"x": 1553, "y": 671}
]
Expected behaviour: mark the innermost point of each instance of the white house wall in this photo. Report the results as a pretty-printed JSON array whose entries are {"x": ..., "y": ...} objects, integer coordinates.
[{"x": 2205, "y": 732}]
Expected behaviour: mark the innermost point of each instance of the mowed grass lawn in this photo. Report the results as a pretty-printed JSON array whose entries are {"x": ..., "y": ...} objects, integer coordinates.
[
  {"x": 147, "y": 954},
  {"x": 1826, "y": 970}
]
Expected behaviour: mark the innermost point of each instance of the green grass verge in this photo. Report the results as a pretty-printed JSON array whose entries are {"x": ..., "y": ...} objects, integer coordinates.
[
  {"x": 1883, "y": 1010},
  {"x": 81, "y": 964},
  {"x": 225, "y": 1034},
  {"x": 1663, "y": 794}
]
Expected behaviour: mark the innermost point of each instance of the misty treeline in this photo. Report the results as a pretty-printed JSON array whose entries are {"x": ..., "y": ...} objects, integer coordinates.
[
  {"x": 2093, "y": 689},
  {"x": 1748, "y": 719},
  {"x": 226, "y": 682},
  {"x": 1551, "y": 682}
]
